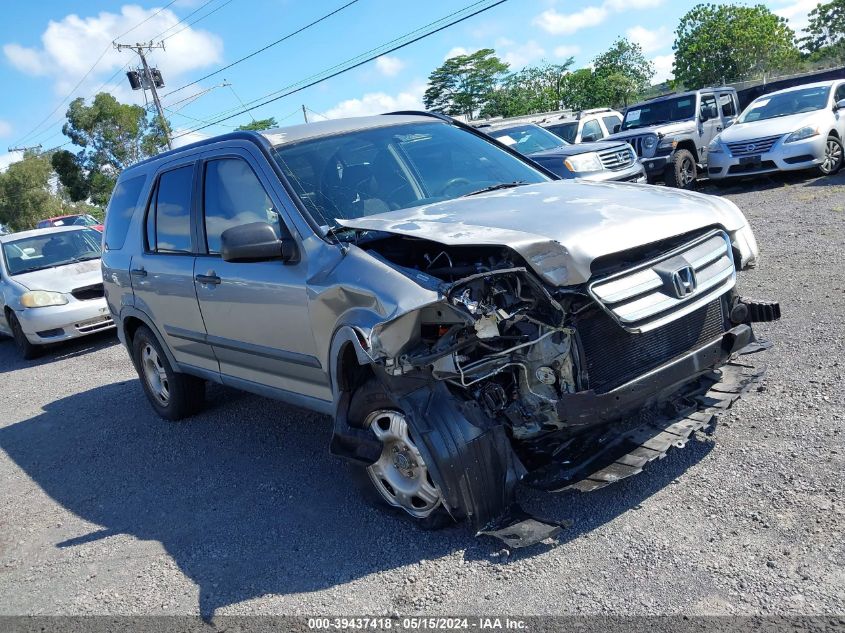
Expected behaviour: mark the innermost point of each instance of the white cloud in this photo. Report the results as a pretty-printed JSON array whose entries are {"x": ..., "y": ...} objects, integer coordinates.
[
  {"x": 663, "y": 68},
  {"x": 458, "y": 50},
  {"x": 649, "y": 40},
  {"x": 389, "y": 66},
  {"x": 567, "y": 50},
  {"x": 519, "y": 55},
  {"x": 796, "y": 12},
  {"x": 9, "y": 158},
  {"x": 378, "y": 102},
  {"x": 187, "y": 139},
  {"x": 567, "y": 23},
  {"x": 5, "y": 128},
  {"x": 558, "y": 23},
  {"x": 70, "y": 46}
]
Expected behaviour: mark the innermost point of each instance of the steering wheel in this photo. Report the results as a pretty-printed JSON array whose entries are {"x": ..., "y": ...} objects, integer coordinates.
[{"x": 453, "y": 182}]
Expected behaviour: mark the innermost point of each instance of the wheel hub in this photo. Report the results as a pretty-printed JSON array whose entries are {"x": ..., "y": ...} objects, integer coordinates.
[{"x": 400, "y": 475}]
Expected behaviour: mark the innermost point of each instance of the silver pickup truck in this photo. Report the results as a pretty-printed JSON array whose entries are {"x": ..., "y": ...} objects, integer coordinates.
[{"x": 468, "y": 320}]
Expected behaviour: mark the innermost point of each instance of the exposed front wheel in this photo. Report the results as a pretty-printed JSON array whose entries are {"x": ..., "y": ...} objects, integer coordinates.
[
  {"x": 682, "y": 172},
  {"x": 25, "y": 348},
  {"x": 172, "y": 394},
  {"x": 400, "y": 479},
  {"x": 833, "y": 157}
]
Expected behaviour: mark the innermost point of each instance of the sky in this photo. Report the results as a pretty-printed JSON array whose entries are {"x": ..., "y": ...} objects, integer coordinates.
[{"x": 53, "y": 51}]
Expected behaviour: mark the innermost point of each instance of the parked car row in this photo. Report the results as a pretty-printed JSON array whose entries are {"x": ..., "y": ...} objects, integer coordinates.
[{"x": 681, "y": 136}]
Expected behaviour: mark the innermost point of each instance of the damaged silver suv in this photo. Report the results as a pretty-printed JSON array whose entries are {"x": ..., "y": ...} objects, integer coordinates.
[{"x": 469, "y": 321}]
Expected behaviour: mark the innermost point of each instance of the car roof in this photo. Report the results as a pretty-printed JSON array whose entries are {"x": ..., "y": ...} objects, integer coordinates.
[
  {"x": 62, "y": 217},
  {"x": 294, "y": 133},
  {"x": 11, "y": 237},
  {"x": 817, "y": 84},
  {"x": 305, "y": 131}
]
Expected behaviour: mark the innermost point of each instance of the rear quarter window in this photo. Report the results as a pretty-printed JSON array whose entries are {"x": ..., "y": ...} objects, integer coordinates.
[{"x": 124, "y": 200}]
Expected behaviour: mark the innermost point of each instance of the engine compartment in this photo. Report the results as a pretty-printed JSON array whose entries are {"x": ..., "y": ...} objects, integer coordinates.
[{"x": 498, "y": 336}]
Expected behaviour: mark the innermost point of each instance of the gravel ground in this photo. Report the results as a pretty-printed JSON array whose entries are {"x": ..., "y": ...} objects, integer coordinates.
[{"x": 105, "y": 509}]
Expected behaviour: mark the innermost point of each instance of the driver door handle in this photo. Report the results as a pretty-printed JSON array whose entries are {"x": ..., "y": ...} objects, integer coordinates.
[
  {"x": 138, "y": 272},
  {"x": 208, "y": 279}
]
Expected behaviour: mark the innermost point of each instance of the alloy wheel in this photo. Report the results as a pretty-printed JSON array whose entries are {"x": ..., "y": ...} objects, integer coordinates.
[
  {"x": 832, "y": 156},
  {"x": 687, "y": 172},
  {"x": 155, "y": 374},
  {"x": 400, "y": 475}
]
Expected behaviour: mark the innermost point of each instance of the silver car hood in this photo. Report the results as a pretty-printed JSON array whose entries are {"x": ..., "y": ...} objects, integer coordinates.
[
  {"x": 63, "y": 278},
  {"x": 560, "y": 227},
  {"x": 779, "y": 126}
]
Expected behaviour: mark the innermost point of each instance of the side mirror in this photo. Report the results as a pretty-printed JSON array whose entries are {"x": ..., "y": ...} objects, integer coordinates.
[
  {"x": 617, "y": 127},
  {"x": 839, "y": 105},
  {"x": 256, "y": 242},
  {"x": 590, "y": 138}
]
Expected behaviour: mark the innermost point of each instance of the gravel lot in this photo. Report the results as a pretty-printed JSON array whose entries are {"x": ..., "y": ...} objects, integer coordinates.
[{"x": 106, "y": 509}]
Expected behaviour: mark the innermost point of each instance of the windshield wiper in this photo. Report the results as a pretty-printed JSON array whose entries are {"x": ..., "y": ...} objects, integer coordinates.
[{"x": 501, "y": 185}]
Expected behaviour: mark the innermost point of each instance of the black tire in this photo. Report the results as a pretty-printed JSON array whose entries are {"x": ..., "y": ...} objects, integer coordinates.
[
  {"x": 184, "y": 394},
  {"x": 682, "y": 172},
  {"x": 26, "y": 349},
  {"x": 833, "y": 151},
  {"x": 368, "y": 398}
]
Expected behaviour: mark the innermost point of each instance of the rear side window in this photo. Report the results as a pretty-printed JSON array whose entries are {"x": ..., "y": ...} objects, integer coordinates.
[
  {"x": 840, "y": 94},
  {"x": 169, "y": 219},
  {"x": 592, "y": 128},
  {"x": 610, "y": 122},
  {"x": 232, "y": 196},
  {"x": 122, "y": 205}
]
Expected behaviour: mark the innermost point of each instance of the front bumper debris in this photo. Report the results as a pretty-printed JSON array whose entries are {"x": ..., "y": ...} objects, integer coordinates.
[{"x": 625, "y": 452}]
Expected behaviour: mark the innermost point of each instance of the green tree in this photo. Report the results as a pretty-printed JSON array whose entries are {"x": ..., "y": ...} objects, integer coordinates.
[
  {"x": 719, "y": 43},
  {"x": 112, "y": 136},
  {"x": 25, "y": 195},
  {"x": 621, "y": 73},
  {"x": 579, "y": 90},
  {"x": 464, "y": 84},
  {"x": 260, "y": 124},
  {"x": 825, "y": 31},
  {"x": 532, "y": 89}
]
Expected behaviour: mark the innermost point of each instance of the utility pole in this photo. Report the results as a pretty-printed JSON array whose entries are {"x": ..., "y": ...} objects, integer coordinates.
[
  {"x": 304, "y": 113},
  {"x": 149, "y": 80}
]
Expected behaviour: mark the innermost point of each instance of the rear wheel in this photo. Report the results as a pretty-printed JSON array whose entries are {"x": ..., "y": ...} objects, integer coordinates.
[
  {"x": 682, "y": 172},
  {"x": 172, "y": 394},
  {"x": 25, "y": 348},
  {"x": 833, "y": 157},
  {"x": 399, "y": 481}
]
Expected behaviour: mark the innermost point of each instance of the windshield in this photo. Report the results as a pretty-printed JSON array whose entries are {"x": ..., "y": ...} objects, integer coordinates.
[
  {"x": 51, "y": 249},
  {"x": 566, "y": 131},
  {"x": 84, "y": 220},
  {"x": 658, "y": 112},
  {"x": 372, "y": 171},
  {"x": 786, "y": 103},
  {"x": 527, "y": 139}
]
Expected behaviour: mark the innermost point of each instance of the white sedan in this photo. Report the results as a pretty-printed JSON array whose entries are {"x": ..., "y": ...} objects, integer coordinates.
[{"x": 51, "y": 286}]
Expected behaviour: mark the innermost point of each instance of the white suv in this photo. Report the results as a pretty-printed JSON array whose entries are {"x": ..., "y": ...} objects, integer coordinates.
[{"x": 585, "y": 127}]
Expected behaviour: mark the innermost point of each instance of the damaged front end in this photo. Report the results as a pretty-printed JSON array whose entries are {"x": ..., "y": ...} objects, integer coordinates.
[{"x": 505, "y": 378}]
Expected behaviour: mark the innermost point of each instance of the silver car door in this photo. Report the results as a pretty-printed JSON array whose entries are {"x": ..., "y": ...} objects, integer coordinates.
[
  {"x": 255, "y": 313},
  {"x": 163, "y": 274}
]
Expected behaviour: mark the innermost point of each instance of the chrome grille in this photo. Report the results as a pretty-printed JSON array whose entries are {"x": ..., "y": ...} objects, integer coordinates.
[
  {"x": 647, "y": 297},
  {"x": 754, "y": 146},
  {"x": 617, "y": 158}
]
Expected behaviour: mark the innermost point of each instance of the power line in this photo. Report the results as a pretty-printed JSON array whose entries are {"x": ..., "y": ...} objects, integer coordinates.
[
  {"x": 348, "y": 68},
  {"x": 202, "y": 17},
  {"x": 261, "y": 50},
  {"x": 361, "y": 55}
]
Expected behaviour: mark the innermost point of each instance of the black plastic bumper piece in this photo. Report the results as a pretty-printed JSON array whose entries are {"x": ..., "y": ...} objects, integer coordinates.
[
  {"x": 762, "y": 312},
  {"x": 589, "y": 408}
]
